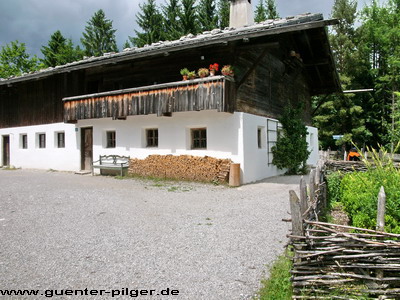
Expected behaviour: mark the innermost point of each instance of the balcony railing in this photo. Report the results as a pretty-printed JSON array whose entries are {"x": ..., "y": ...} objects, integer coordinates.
[{"x": 211, "y": 93}]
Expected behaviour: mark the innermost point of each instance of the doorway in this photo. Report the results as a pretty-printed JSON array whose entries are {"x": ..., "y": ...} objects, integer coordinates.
[
  {"x": 86, "y": 148},
  {"x": 6, "y": 150}
]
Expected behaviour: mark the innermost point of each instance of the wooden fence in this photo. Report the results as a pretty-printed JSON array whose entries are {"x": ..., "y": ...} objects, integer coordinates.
[{"x": 343, "y": 261}]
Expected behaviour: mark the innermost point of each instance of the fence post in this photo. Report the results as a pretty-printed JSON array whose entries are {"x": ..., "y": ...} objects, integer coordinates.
[
  {"x": 303, "y": 196},
  {"x": 295, "y": 210},
  {"x": 311, "y": 186},
  {"x": 380, "y": 220}
]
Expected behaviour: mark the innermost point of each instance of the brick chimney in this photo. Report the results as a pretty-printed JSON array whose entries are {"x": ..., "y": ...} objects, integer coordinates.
[{"x": 241, "y": 13}]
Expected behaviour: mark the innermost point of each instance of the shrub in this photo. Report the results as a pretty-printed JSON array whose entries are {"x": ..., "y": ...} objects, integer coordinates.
[
  {"x": 290, "y": 151},
  {"x": 334, "y": 181},
  {"x": 359, "y": 191},
  {"x": 360, "y": 198}
]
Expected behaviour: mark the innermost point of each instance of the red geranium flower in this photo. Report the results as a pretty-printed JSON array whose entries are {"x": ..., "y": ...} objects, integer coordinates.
[{"x": 214, "y": 67}]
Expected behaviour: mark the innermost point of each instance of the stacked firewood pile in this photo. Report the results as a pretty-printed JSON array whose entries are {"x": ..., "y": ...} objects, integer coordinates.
[
  {"x": 183, "y": 167},
  {"x": 330, "y": 258}
]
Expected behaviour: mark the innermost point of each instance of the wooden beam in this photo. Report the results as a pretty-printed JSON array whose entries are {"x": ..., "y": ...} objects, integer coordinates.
[
  {"x": 322, "y": 101},
  {"x": 253, "y": 67}
]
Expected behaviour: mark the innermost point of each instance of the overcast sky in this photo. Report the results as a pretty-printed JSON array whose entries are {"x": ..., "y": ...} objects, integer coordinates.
[{"x": 33, "y": 21}]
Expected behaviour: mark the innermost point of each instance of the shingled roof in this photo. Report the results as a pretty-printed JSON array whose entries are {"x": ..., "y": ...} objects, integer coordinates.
[{"x": 217, "y": 36}]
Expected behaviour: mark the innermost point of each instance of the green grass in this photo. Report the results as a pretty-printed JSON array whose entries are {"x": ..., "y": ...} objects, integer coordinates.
[{"x": 278, "y": 285}]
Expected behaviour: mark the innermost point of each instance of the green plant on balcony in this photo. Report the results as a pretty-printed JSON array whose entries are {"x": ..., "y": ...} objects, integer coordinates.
[
  {"x": 203, "y": 72},
  {"x": 192, "y": 75},
  {"x": 185, "y": 73}
]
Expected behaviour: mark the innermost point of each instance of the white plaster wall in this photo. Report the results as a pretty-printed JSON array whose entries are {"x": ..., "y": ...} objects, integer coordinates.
[
  {"x": 232, "y": 136},
  {"x": 312, "y": 140},
  {"x": 255, "y": 162},
  {"x": 51, "y": 157},
  {"x": 223, "y": 135},
  {"x": 256, "y": 165}
]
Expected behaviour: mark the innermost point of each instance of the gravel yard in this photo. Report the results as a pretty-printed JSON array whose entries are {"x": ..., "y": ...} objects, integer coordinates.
[{"x": 64, "y": 231}]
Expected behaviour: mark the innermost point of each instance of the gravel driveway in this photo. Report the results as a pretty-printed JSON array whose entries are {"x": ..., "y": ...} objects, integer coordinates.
[{"x": 63, "y": 231}]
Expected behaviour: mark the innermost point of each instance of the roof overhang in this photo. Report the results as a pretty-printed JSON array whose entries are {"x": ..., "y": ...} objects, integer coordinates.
[{"x": 301, "y": 23}]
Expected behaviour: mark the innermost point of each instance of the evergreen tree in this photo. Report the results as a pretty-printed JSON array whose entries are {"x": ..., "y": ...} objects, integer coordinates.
[
  {"x": 378, "y": 39},
  {"x": 171, "y": 25},
  {"x": 261, "y": 12},
  {"x": 60, "y": 51},
  {"x": 126, "y": 45},
  {"x": 290, "y": 151},
  {"x": 188, "y": 17},
  {"x": 14, "y": 60},
  {"x": 99, "y": 35},
  {"x": 271, "y": 10},
  {"x": 206, "y": 10},
  {"x": 223, "y": 13},
  {"x": 343, "y": 114},
  {"x": 343, "y": 38},
  {"x": 151, "y": 22}
]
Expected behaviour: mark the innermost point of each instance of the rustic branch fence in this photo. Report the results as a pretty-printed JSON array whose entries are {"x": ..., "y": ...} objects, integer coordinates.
[{"x": 339, "y": 260}]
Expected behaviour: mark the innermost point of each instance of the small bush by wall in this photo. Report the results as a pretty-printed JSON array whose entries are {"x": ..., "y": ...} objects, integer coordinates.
[{"x": 184, "y": 167}]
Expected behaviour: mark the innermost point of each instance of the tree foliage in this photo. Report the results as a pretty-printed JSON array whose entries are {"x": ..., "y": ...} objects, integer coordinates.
[
  {"x": 171, "y": 24},
  {"x": 223, "y": 13},
  {"x": 265, "y": 9},
  {"x": 151, "y": 22},
  {"x": 99, "y": 35},
  {"x": 188, "y": 17},
  {"x": 272, "y": 13},
  {"x": 60, "y": 51},
  {"x": 207, "y": 14},
  {"x": 342, "y": 114},
  {"x": 366, "y": 57},
  {"x": 14, "y": 60},
  {"x": 290, "y": 151},
  {"x": 260, "y": 12}
]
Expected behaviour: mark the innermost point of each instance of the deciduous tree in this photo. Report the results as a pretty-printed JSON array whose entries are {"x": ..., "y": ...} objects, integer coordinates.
[{"x": 14, "y": 60}]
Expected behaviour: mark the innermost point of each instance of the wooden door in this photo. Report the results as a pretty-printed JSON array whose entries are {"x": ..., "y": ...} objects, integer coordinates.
[
  {"x": 86, "y": 148},
  {"x": 6, "y": 150}
]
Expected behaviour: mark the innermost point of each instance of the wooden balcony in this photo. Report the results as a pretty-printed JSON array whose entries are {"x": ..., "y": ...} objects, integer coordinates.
[{"x": 211, "y": 93}]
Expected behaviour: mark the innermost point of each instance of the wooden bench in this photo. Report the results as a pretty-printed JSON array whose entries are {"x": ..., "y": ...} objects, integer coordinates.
[{"x": 111, "y": 162}]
